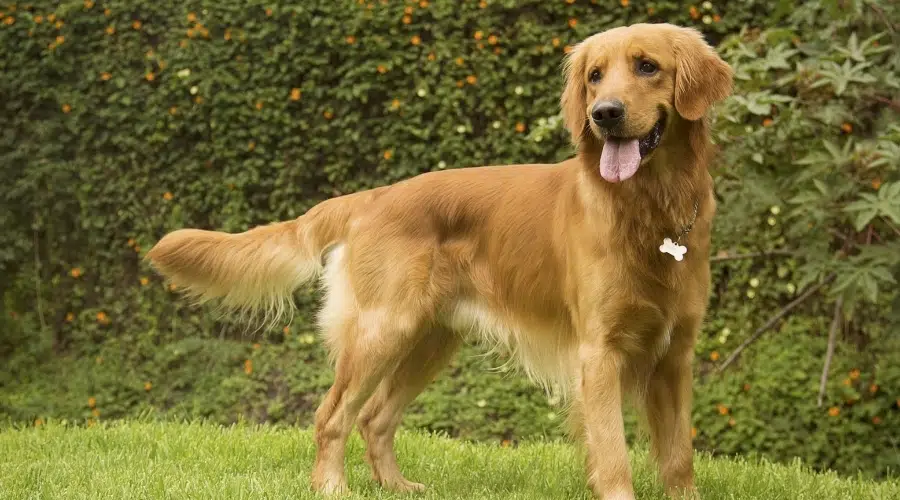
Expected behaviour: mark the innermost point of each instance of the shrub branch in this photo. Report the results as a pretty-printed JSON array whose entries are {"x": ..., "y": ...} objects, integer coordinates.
[{"x": 773, "y": 321}]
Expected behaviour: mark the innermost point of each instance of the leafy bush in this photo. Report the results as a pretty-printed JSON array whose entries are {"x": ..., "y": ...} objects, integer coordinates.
[{"x": 124, "y": 120}]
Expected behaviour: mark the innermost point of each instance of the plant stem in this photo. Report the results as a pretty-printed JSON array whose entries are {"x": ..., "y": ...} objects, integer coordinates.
[{"x": 832, "y": 338}]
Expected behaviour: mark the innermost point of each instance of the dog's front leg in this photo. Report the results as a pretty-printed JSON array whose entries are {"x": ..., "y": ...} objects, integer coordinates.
[
  {"x": 668, "y": 406},
  {"x": 600, "y": 396}
]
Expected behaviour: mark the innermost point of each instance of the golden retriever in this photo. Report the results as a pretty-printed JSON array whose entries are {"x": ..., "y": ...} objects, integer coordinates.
[{"x": 593, "y": 273}]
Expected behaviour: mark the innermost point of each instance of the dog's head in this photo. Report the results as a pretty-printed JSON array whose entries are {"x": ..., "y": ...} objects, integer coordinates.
[{"x": 627, "y": 86}]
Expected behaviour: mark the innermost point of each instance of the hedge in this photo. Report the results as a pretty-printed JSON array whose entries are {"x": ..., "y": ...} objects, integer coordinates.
[{"x": 124, "y": 120}]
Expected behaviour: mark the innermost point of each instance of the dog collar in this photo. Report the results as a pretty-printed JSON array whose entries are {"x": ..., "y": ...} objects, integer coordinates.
[{"x": 673, "y": 247}]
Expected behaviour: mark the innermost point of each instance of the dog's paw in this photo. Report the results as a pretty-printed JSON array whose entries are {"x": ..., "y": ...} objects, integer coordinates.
[
  {"x": 332, "y": 487},
  {"x": 401, "y": 485}
]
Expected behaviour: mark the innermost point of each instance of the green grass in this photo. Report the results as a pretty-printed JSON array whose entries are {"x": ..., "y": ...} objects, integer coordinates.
[{"x": 181, "y": 461}]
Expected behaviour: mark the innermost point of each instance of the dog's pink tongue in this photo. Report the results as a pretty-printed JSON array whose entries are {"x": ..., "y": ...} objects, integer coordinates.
[{"x": 620, "y": 159}]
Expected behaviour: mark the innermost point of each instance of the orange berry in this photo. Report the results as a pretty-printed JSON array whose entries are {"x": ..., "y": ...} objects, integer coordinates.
[
  {"x": 269, "y": 12},
  {"x": 70, "y": 317},
  {"x": 746, "y": 387},
  {"x": 573, "y": 22},
  {"x": 873, "y": 388},
  {"x": 693, "y": 432},
  {"x": 459, "y": 83},
  {"x": 482, "y": 4},
  {"x": 144, "y": 280},
  {"x": 38, "y": 19},
  {"x": 767, "y": 122},
  {"x": 110, "y": 30},
  {"x": 714, "y": 355},
  {"x": 191, "y": 17},
  {"x": 723, "y": 410},
  {"x": 248, "y": 366},
  {"x": 408, "y": 10},
  {"x": 258, "y": 105},
  {"x": 388, "y": 154},
  {"x": 732, "y": 422},
  {"x": 76, "y": 272},
  {"x": 423, "y": 4},
  {"x": 431, "y": 56},
  {"x": 295, "y": 94},
  {"x": 478, "y": 35},
  {"x": 382, "y": 69},
  {"x": 555, "y": 42},
  {"x": 328, "y": 115},
  {"x": 695, "y": 14},
  {"x": 88, "y": 4},
  {"x": 716, "y": 18},
  {"x": 415, "y": 40},
  {"x": 350, "y": 39},
  {"x": 107, "y": 12},
  {"x": 624, "y": 3},
  {"x": 395, "y": 103},
  {"x": 148, "y": 386},
  {"x": 407, "y": 19},
  {"x": 846, "y": 128},
  {"x": 102, "y": 318},
  {"x": 568, "y": 49},
  {"x": 66, "y": 108},
  {"x": 150, "y": 76},
  {"x": 173, "y": 110},
  {"x": 520, "y": 127},
  {"x": 854, "y": 374},
  {"x": 876, "y": 420},
  {"x": 651, "y": 11},
  {"x": 493, "y": 40},
  {"x": 834, "y": 411},
  {"x": 168, "y": 196},
  {"x": 136, "y": 24},
  {"x": 876, "y": 183},
  {"x": 105, "y": 76},
  {"x": 471, "y": 79},
  {"x": 92, "y": 402}
]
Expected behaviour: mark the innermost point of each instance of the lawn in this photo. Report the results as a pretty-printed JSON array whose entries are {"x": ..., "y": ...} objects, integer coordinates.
[{"x": 196, "y": 460}]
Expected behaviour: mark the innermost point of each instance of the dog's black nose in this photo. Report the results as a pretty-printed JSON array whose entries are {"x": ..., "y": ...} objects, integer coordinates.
[{"x": 608, "y": 114}]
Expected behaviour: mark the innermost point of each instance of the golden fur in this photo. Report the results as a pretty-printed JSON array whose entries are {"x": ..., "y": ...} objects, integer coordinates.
[{"x": 550, "y": 262}]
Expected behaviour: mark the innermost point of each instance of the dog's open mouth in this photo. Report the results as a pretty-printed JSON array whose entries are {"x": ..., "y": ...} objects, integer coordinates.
[{"x": 621, "y": 157}]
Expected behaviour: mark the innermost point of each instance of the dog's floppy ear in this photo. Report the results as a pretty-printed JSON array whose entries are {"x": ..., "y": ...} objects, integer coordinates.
[
  {"x": 702, "y": 78},
  {"x": 574, "y": 96}
]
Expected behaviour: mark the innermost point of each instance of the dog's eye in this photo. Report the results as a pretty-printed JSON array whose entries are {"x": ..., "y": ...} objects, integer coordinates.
[
  {"x": 647, "y": 67},
  {"x": 595, "y": 76}
]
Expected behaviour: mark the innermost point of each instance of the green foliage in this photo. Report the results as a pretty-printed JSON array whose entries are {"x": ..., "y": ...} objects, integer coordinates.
[
  {"x": 124, "y": 120},
  {"x": 199, "y": 460}
]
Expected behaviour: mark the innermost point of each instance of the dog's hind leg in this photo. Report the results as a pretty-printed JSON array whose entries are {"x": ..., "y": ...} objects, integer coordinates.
[
  {"x": 382, "y": 414},
  {"x": 370, "y": 349}
]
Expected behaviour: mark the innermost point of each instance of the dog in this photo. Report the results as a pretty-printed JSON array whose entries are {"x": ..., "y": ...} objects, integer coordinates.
[{"x": 593, "y": 273}]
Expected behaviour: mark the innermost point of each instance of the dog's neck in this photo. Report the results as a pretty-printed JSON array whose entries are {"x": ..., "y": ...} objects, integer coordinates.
[{"x": 658, "y": 202}]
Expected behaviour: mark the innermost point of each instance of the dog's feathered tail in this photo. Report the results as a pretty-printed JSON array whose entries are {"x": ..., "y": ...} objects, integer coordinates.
[{"x": 254, "y": 273}]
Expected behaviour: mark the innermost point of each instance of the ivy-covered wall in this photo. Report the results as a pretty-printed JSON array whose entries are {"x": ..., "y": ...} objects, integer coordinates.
[{"x": 123, "y": 120}]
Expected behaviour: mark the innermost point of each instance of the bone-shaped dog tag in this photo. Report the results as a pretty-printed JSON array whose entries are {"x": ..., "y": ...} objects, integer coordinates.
[{"x": 673, "y": 249}]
